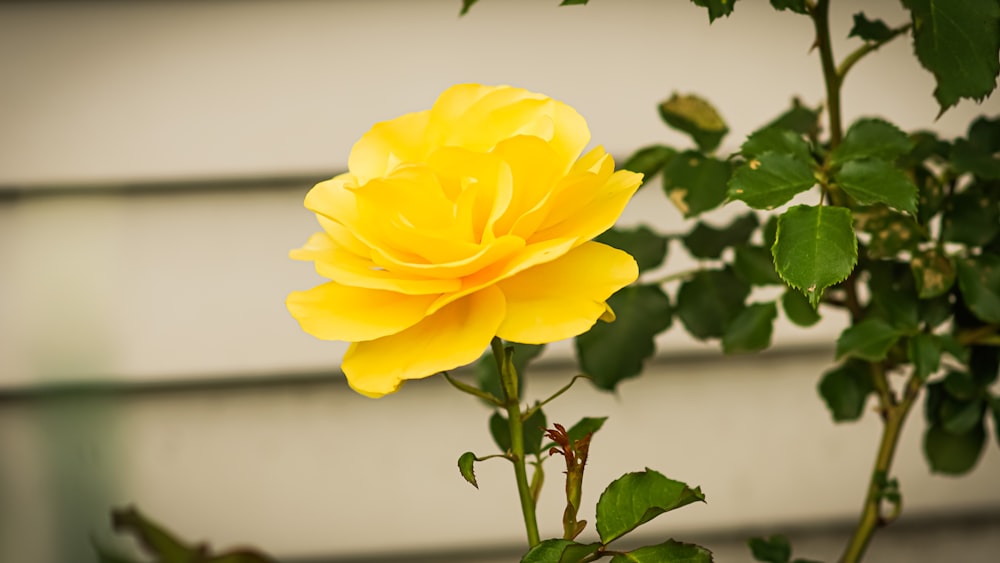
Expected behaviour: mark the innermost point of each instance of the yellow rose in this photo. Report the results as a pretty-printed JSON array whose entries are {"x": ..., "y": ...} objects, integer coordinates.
[{"x": 470, "y": 220}]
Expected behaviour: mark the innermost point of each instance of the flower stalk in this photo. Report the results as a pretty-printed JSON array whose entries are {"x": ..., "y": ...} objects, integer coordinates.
[{"x": 515, "y": 422}]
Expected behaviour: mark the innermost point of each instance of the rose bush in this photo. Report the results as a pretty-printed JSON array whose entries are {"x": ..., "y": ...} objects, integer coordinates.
[{"x": 453, "y": 225}]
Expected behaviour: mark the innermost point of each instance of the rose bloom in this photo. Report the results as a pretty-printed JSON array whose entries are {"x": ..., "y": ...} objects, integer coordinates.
[{"x": 470, "y": 220}]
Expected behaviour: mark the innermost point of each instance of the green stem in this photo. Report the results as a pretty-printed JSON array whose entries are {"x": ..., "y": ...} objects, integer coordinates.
[
  {"x": 821, "y": 19},
  {"x": 509, "y": 384},
  {"x": 859, "y": 53},
  {"x": 871, "y": 517}
]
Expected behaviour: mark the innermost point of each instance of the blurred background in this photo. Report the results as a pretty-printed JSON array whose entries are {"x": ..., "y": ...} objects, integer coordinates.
[{"x": 153, "y": 160}]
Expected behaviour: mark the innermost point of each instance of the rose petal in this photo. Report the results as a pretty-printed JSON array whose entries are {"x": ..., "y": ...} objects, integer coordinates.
[
  {"x": 387, "y": 144},
  {"x": 337, "y": 312},
  {"x": 454, "y": 336},
  {"x": 565, "y": 297},
  {"x": 589, "y": 204}
]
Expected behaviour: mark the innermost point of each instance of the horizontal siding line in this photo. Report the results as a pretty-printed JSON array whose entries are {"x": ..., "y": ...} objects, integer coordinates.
[{"x": 97, "y": 389}]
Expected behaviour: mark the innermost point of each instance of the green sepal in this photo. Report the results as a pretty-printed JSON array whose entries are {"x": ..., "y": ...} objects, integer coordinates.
[
  {"x": 488, "y": 376},
  {"x": 636, "y": 498},
  {"x": 845, "y": 390},
  {"x": 611, "y": 352},
  {"x": 696, "y": 117},
  {"x": 815, "y": 248}
]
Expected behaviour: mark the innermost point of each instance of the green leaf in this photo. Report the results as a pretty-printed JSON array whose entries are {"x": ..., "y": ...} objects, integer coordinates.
[
  {"x": 573, "y": 2},
  {"x": 891, "y": 231},
  {"x": 961, "y": 386},
  {"x": 751, "y": 330},
  {"x": 870, "y": 30},
  {"x": 773, "y": 549},
  {"x": 611, "y": 352},
  {"x": 815, "y": 248},
  {"x": 869, "y": 340},
  {"x": 466, "y": 4},
  {"x": 706, "y": 241},
  {"x": 695, "y": 183},
  {"x": 798, "y": 118},
  {"x": 716, "y": 8},
  {"x": 636, "y": 498},
  {"x": 962, "y": 417},
  {"x": 933, "y": 272},
  {"x": 165, "y": 547},
  {"x": 709, "y": 301},
  {"x": 958, "y": 43},
  {"x": 669, "y": 551},
  {"x": 548, "y": 551},
  {"x": 984, "y": 365},
  {"x": 695, "y": 116},
  {"x": 648, "y": 161},
  {"x": 979, "y": 280},
  {"x": 465, "y": 462},
  {"x": 770, "y": 231},
  {"x": 500, "y": 431},
  {"x": 798, "y": 309},
  {"x": 797, "y": 6},
  {"x": 893, "y": 295},
  {"x": 978, "y": 154},
  {"x": 877, "y": 181},
  {"x": 756, "y": 265},
  {"x": 533, "y": 427},
  {"x": 871, "y": 138},
  {"x": 487, "y": 375},
  {"x": 774, "y": 139},
  {"x": 972, "y": 216},
  {"x": 647, "y": 247},
  {"x": 586, "y": 425},
  {"x": 924, "y": 351},
  {"x": 845, "y": 390},
  {"x": 770, "y": 180},
  {"x": 950, "y": 453}
]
